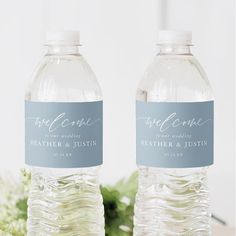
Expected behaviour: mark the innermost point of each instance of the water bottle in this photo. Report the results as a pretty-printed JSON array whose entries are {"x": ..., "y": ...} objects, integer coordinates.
[
  {"x": 63, "y": 142},
  {"x": 174, "y": 142}
]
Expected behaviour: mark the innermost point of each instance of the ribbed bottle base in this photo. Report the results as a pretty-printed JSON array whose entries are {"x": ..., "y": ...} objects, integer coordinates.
[
  {"x": 172, "y": 203},
  {"x": 68, "y": 205}
]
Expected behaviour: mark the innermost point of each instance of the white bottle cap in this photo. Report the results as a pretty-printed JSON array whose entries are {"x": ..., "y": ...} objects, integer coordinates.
[
  {"x": 63, "y": 38},
  {"x": 178, "y": 37}
]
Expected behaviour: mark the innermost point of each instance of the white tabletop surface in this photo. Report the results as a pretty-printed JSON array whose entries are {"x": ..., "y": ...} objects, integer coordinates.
[{"x": 223, "y": 231}]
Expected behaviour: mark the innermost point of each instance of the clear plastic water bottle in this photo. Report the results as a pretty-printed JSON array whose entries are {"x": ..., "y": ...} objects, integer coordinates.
[
  {"x": 174, "y": 112},
  {"x": 63, "y": 144}
]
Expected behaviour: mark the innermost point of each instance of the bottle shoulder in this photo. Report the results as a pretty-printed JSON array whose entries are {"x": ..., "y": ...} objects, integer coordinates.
[
  {"x": 175, "y": 78},
  {"x": 64, "y": 78}
]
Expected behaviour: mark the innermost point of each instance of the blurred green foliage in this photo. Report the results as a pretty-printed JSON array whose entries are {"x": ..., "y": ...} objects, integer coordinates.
[{"x": 118, "y": 203}]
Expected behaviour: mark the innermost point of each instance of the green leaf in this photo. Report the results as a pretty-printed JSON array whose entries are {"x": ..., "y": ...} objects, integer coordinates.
[{"x": 21, "y": 204}]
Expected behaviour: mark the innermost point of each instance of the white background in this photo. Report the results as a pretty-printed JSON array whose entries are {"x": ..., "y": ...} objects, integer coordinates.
[{"x": 119, "y": 42}]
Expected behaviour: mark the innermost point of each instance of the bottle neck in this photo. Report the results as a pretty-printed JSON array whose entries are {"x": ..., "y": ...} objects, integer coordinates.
[
  {"x": 174, "y": 50},
  {"x": 63, "y": 50}
]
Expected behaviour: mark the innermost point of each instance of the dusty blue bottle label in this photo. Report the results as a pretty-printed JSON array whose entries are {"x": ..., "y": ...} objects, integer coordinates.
[
  {"x": 174, "y": 135},
  {"x": 63, "y": 135}
]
